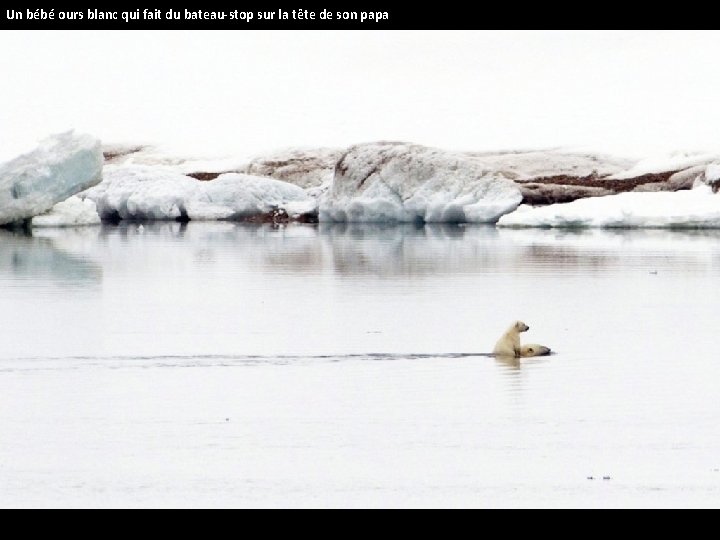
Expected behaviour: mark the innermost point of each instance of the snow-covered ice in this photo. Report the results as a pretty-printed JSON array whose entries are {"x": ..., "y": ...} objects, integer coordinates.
[
  {"x": 145, "y": 193},
  {"x": 392, "y": 182},
  {"x": 397, "y": 182},
  {"x": 234, "y": 196},
  {"x": 74, "y": 212},
  {"x": 61, "y": 166},
  {"x": 696, "y": 208}
]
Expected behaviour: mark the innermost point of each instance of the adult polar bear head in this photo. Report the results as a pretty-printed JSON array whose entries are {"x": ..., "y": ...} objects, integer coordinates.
[{"x": 533, "y": 349}]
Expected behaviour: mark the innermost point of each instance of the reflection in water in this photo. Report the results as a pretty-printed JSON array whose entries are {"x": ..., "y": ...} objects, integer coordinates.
[
  {"x": 510, "y": 362},
  {"x": 383, "y": 251},
  {"x": 403, "y": 250},
  {"x": 165, "y": 229},
  {"x": 411, "y": 251},
  {"x": 25, "y": 257},
  {"x": 599, "y": 250},
  {"x": 267, "y": 346}
]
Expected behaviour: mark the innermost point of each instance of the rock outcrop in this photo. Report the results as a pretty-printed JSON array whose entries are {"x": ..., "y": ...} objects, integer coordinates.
[{"x": 307, "y": 168}]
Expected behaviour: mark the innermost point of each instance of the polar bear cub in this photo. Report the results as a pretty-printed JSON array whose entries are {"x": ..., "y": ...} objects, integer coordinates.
[{"x": 509, "y": 343}]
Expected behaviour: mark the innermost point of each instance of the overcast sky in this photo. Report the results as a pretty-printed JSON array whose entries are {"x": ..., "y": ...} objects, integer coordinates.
[{"x": 246, "y": 92}]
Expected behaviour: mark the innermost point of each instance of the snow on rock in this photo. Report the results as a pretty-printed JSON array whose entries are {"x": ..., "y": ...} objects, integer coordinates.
[
  {"x": 200, "y": 168},
  {"x": 121, "y": 153},
  {"x": 684, "y": 179},
  {"x": 307, "y": 168},
  {"x": 696, "y": 208},
  {"x": 145, "y": 193},
  {"x": 534, "y": 165},
  {"x": 558, "y": 176},
  {"x": 678, "y": 161},
  {"x": 398, "y": 182},
  {"x": 74, "y": 212},
  {"x": 61, "y": 166},
  {"x": 422, "y": 184}
]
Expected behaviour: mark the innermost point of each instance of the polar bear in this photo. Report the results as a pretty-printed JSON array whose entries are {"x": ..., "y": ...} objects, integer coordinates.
[
  {"x": 533, "y": 349},
  {"x": 509, "y": 343}
]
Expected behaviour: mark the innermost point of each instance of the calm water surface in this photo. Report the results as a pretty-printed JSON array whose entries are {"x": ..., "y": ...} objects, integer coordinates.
[{"x": 227, "y": 365}]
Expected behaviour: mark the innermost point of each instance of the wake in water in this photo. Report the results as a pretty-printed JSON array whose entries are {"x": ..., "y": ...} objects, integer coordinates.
[
  {"x": 260, "y": 358},
  {"x": 221, "y": 360}
]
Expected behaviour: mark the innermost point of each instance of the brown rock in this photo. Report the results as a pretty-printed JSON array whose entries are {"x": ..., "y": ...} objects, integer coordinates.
[
  {"x": 541, "y": 194},
  {"x": 115, "y": 153},
  {"x": 307, "y": 168}
]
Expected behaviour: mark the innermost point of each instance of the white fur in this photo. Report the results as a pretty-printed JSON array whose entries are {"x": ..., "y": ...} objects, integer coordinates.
[
  {"x": 533, "y": 349},
  {"x": 509, "y": 343}
]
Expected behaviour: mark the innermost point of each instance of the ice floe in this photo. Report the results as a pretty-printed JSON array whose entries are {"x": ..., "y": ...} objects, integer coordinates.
[
  {"x": 74, "y": 212},
  {"x": 61, "y": 166},
  {"x": 145, "y": 193}
]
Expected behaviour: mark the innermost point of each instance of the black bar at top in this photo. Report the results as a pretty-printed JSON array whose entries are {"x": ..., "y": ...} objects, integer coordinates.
[{"x": 362, "y": 16}]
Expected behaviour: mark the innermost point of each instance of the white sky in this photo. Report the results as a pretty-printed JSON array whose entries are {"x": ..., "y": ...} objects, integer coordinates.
[{"x": 246, "y": 92}]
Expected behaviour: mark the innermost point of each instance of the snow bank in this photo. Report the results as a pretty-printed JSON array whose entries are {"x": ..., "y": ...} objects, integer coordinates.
[
  {"x": 58, "y": 168},
  {"x": 143, "y": 193},
  {"x": 74, "y": 212},
  {"x": 397, "y": 182},
  {"x": 696, "y": 208}
]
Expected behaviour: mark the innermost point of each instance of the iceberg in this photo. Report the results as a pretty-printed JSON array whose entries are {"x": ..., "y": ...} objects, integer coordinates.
[
  {"x": 239, "y": 197},
  {"x": 147, "y": 193},
  {"x": 60, "y": 167},
  {"x": 399, "y": 182},
  {"x": 696, "y": 208},
  {"x": 74, "y": 212}
]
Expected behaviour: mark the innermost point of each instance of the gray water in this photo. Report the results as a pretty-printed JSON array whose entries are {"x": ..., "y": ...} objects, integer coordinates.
[{"x": 230, "y": 365}]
